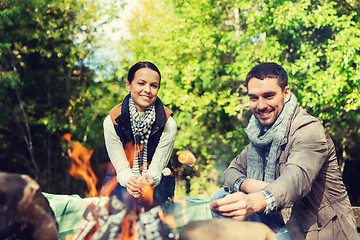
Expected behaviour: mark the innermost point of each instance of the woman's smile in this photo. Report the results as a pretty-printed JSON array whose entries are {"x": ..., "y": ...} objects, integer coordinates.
[{"x": 144, "y": 88}]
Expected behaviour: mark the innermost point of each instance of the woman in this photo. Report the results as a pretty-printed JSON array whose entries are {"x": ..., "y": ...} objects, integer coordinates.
[{"x": 139, "y": 138}]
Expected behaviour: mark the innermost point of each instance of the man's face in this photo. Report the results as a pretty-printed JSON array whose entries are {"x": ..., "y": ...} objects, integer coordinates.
[{"x": 267, "y": 99}]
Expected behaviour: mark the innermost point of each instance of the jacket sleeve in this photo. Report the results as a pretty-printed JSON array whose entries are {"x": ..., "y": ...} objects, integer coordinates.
[
  {"x": 163, "y": 151},
  {"x": 116, "y": 152},
  {"x": 306, "y": 154},
  {"x": 236, "y": 169}
]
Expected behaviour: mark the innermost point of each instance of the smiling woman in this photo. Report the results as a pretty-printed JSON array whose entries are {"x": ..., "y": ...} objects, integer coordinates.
[
  {"x": 139, "y": 136},
  {"x": 143, "y": 86}
]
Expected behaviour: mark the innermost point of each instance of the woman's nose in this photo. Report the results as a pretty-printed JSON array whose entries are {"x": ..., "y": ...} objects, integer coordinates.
[{"x": 147, "y": 88}]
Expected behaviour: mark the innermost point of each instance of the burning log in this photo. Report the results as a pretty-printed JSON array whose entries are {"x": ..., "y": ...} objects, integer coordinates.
[
  {"x": 25, "y": 212},
  {"x": 116, "y": 221}
]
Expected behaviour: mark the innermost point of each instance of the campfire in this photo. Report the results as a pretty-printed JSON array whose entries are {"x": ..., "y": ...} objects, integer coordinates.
[{"x": 115, "y": 220}]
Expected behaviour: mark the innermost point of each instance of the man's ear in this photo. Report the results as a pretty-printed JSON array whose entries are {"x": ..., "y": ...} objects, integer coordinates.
[
  {"x": 127, "y": 85},
  {"x": 287, "y": 93}
]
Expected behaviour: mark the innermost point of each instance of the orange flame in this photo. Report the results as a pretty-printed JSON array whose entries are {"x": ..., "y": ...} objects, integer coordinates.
[
  {"x": 169, "y": 220},
  {"x": 80, "y": 166},
  {"x": 128, "y": 231},
  {"x": 147, "y": 194},
  {"x": 131, "y": 151},
  {"x": 107, "y": 188}
]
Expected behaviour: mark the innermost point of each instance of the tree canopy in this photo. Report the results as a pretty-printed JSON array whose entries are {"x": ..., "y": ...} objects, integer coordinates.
[
  {"x": 62, "y": 72},
  {"x": 205, "y": 48}
]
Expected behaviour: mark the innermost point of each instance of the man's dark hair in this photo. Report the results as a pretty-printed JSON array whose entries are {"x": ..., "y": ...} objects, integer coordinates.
[
  {"x": 268, "y": 70},
  {"x": 140, "y": 65}
]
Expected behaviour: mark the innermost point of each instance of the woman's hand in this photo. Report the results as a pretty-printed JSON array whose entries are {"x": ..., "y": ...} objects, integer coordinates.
[
  {"x": 148, "y": 179},
  {"x": 133, "y": 186},
  {"x": 146, "y": 183}
]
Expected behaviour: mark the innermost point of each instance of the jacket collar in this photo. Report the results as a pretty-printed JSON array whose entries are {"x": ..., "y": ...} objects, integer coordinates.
[{"x": 296, "y": 112}]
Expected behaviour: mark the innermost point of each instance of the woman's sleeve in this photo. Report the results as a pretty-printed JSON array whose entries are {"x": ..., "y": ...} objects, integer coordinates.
[
  {"x": 163, "y": 151},
  {"x": 116, "y": 152}
]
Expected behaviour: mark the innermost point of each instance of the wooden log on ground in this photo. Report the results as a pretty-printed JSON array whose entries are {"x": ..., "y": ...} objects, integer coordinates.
[
  {"x": 25, "y": 212},
  {"x": 222, "y": 228}
]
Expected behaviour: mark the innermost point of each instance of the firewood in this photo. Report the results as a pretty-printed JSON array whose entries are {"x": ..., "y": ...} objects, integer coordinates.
[
  {"x": 222, "y": 228},
  {"x": 25, "y": 212}
]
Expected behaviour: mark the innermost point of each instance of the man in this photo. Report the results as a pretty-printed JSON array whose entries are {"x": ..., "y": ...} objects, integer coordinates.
[{"x": 288, "y": 176}]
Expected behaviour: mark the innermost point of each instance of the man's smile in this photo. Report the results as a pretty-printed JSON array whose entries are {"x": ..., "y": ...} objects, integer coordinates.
[{"x": 264, "y": 115}]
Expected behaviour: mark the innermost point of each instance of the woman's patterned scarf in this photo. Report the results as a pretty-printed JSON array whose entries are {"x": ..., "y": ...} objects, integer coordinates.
[
  {"x": 258, "y": 166},
  {"x": 141, "y": 128}
]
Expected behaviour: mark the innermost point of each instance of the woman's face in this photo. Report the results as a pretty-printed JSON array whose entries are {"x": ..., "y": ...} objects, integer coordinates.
[{"x": 144, "y": 88}]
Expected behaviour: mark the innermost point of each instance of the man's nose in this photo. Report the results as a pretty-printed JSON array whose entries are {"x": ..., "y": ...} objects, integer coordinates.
[{"x": 261, "y": 104}]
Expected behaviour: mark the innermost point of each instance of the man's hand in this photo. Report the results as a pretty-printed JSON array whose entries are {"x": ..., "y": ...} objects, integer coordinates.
[
  {"x": 252, "y": 185},
  {"x": 239, "y": 206},
  {"x": 133, "y": 186}
]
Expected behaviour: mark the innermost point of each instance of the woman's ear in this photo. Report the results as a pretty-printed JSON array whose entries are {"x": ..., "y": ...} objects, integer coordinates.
[{"x": 128, "y": 86}]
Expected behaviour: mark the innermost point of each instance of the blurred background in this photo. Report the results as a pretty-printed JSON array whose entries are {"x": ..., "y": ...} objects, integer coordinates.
[{"x": 64, "y": 63}]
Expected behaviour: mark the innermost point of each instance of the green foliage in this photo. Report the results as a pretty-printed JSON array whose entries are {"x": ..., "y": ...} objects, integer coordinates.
[
  {"x": 205, "y": 48},
  {"x": 318, "y": 44},
  {"x": 55, "y": 76},
  {"x": 46, "y": 89},
  {"x": 187, "y": 41}
]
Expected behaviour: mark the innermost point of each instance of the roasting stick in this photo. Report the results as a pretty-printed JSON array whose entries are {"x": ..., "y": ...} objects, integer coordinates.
[{"x": 188, "y": 159}]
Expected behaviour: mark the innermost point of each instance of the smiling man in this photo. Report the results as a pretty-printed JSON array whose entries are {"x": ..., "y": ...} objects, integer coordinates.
[{"x": 288, "y": 176}]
